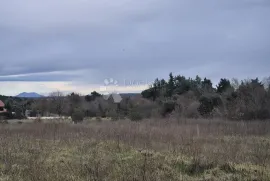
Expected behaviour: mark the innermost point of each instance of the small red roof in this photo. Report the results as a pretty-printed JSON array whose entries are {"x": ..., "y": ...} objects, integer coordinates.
[{"x": 2, "y": 104}]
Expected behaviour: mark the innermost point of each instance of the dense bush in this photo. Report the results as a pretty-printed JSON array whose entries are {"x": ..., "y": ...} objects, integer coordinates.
[
  {"x": 77, "y": 115},
  {"x": 192, "y": 110},
  {"x": 135, "y": 116},
  {"x": 5, "y": 115},
  {"x": 167, "y": 107},
  {"x": 208, "y": 103},
  {"x": 112, "y": 114},
  {"x": 142, "y": 106},
  {"x": 90, "y": 113}
]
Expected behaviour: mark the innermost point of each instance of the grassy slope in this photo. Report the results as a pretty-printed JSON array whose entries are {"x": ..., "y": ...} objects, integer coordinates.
[{"x": 135, "y": 151}]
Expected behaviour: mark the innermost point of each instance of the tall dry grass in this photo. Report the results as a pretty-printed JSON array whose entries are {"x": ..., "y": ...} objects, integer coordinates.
[{"x": 148, "y": 150}]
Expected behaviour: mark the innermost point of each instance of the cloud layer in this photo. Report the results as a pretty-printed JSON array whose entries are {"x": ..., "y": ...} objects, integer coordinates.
[{"x": 86, "y": 41}]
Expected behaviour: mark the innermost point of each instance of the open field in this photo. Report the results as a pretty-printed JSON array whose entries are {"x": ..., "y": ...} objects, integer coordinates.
[{"x": 136, "y": 151}]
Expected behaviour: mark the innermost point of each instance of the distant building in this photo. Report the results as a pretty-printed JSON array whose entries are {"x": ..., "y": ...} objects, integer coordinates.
[{"x": 2, "y": 107}]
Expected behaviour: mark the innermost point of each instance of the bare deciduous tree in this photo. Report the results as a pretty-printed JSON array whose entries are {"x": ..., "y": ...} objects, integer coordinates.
[
  {"x": 40, "y": 105},
  {"x": 57, "y": 102}
]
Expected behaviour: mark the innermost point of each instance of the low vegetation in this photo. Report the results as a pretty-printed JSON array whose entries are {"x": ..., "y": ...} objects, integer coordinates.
[{"x": 143, "y": 151}]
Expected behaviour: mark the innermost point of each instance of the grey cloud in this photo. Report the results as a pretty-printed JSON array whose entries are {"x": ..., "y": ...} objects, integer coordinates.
[
  {"x": 138, "y": 40},
  {"x": 48, "y": 76}
]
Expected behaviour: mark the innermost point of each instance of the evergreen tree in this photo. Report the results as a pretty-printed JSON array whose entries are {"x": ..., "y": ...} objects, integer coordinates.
[
  {"x": 207, "y": 85},
  {"x": 223, "y": 85},
  {"x": 170, "y": 86}
]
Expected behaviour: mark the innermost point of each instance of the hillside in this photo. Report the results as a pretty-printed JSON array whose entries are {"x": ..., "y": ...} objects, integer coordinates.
[{"x": 29, "y": 95}]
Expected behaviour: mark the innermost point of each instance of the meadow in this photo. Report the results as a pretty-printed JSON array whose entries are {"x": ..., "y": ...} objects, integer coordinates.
[{"x": 154, "y": 149}]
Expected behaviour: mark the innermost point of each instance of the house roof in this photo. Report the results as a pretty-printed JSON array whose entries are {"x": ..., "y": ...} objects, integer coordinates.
[{"x": 2, "y": 104}]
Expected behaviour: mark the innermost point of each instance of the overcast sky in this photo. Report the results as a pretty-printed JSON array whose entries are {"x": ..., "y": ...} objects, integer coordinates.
[{"x": 73, "y": 45}]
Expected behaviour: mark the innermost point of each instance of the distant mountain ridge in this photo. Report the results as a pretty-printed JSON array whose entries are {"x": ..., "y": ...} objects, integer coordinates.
[{"x": 29, "y": 95}]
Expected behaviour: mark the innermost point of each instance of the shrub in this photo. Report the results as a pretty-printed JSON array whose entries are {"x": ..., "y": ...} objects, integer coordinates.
[
  {"x": 77, "y": 116},
  {"x": 155, "y": 113},
  {"x": 19, "y": 115},
  {"x": 143, "y": 106},
  {"x": 90, "y": 113},
  {"x": 263, "y": 114},
  {"x": 3, "y": 119},
  {"x": 216, "y": 113},
  {"x": 197, "y": 167},
  {"x": 167, "y": 107},
  {"x": 192, "y": 110},
  {"x": 112, "y": 114},
  {"x": 208, "y": 103},
  {"x": 6, "y": 115},
  {"x": 135, "y": 116}
]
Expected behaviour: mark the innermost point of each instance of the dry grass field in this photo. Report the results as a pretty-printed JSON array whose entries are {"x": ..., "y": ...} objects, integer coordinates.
[{"x": 150, "y": 150}]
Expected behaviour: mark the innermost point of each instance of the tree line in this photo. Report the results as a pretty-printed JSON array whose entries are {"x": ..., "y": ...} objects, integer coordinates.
[
  {"x": 245, "y": 99},
  {"x": 178, "y": 97}
]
